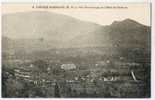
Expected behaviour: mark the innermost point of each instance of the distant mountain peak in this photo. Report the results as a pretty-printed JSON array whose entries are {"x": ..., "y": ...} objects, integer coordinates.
[
  {"x": 126, "y": 23},
  {"x": 130, "y": 21}
]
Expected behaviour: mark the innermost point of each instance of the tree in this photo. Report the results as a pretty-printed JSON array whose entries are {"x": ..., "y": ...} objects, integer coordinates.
[
  {"x": 41, "y": 64},
  {"x": 56, "y": 92}
]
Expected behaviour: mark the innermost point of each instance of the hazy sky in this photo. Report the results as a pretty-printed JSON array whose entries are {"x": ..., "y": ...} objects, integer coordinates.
[{"x": 104, "y": 16}]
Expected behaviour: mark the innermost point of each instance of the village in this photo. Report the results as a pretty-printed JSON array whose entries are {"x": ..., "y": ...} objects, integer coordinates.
[
  {"x": 76, "y": 79},
  {"x": 74, "y": 73}
]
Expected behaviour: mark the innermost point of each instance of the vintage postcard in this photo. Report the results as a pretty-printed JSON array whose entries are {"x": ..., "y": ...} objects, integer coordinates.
[{"x": 76, "y": 50}]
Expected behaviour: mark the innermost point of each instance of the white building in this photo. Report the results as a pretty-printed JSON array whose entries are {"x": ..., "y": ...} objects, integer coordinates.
[{"x": 68, "y": 66}]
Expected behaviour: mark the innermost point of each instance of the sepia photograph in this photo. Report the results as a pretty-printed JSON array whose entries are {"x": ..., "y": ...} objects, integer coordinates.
[{"x": 76, "y": 50}]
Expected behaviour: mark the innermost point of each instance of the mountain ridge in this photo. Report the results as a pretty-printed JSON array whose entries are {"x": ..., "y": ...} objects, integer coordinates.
[{"x": 55, "y": 30}]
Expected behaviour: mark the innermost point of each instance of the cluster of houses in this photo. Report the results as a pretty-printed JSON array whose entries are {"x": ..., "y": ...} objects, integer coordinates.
[{"x": 27, "y": 74}]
